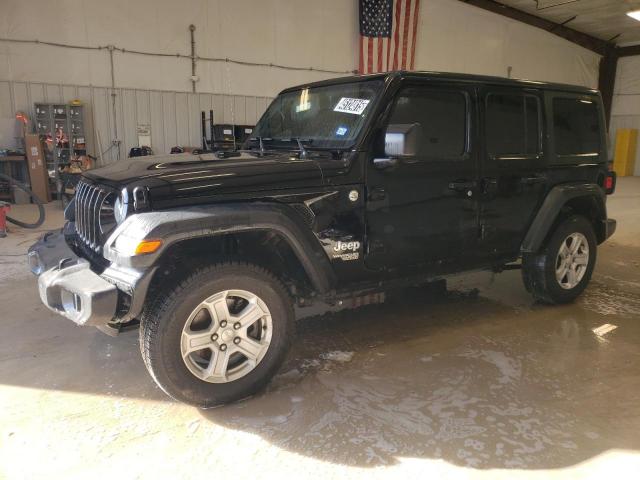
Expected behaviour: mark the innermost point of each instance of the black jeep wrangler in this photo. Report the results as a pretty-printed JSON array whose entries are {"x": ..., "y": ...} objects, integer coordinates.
[{"x": 348, "y": 187}]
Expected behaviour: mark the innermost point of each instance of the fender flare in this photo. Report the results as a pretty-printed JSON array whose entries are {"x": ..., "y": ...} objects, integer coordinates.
[
  {"x": 173, "y": 226},
  {"x": 555, "y": 200}
]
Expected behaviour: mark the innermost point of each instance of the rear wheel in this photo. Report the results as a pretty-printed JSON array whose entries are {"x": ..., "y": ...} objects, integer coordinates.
[
  {"x": 219, "y": 336},
  {"x": 562, "y": 270}
]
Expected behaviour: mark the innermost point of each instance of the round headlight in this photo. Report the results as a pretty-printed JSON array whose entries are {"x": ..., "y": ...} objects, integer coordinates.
[{"x": 120, "y": 209}]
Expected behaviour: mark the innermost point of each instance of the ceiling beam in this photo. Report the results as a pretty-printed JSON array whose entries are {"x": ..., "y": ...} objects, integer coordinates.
[
  {"x": 628, "y": 51},
  {"x": 587, "y": 41}
]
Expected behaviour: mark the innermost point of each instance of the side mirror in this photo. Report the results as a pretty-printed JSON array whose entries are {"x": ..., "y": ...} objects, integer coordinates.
[{"x": 402, "y": 140}]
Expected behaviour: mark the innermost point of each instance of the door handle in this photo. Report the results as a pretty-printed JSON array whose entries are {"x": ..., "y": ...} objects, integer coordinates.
[
  {"x": 383, "y": 163},
  {"x": 489, "y": 185},
  {"x": 462, "y": 186},
  {"x": 377, "y": 193},
  {"x": 532, "y": 180}
]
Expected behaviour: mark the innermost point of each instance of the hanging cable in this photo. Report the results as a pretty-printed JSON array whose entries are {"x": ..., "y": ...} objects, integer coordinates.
[{"x": 113, "y": 48}]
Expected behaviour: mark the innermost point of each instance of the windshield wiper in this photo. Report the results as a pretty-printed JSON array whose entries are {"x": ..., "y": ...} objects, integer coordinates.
[
  {"x": 303, "y": 151},
  {"x": 262, "y": 150},
  {"x": 299, "y": 141}
]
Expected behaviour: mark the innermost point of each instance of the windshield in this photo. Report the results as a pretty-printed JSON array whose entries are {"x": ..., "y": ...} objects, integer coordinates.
[{"x": 324, "y": 117}]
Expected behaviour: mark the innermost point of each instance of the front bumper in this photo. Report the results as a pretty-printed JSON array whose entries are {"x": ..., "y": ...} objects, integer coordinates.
[
  {"x": 79, "y": 294},
  {"x": 111, "y": 301},
  {"x": 49, "y": 251}
]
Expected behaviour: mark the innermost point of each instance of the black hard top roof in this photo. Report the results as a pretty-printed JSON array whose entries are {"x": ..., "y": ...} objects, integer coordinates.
[{"x": 453, "y": 77}]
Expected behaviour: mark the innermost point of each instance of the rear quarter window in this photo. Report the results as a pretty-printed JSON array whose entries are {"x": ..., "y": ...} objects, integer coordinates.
[{"x": 576, "y": 127}]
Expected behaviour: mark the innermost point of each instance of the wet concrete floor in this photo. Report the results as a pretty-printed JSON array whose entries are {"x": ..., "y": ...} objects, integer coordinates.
[{"x": 479, "y": 382}]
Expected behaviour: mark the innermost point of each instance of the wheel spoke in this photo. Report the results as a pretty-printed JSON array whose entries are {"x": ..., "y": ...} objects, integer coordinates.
[
  {"x": 564, "y": 250},
  {"x": 218, "y": 307},
  {"x": 194, "y": 341},
  {"x": 581, "y": 259},
  {"x": 250, "y": 315},
  {"x": 576, "y": 244},
  {"x": 250, "y": 348},
  {"x": 561, "y": 272},
  {"x": 217, "y": 367},
  {"x": 571, "y": 277}
]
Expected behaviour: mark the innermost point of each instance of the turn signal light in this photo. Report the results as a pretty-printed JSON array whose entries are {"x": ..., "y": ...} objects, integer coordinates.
[{"x": 148, "y": 246}]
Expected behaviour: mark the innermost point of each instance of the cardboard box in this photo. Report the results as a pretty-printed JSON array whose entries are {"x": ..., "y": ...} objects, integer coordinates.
[{"x": 37, "y": 167}]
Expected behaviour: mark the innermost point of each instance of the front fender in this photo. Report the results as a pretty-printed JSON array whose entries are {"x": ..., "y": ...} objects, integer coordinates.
[
  {"x": 172, "y": 226},
  {"x": 556, "y": 199}
]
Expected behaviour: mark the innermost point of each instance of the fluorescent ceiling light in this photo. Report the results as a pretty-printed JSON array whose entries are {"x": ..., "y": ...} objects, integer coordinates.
[{"x": 635, "y": 15}]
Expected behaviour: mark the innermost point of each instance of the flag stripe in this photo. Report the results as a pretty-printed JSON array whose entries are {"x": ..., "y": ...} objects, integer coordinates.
[
  {"x": 361, "y": 64},
  {"x": 416, "y": 12},
  {"x": 396, "y": 34},
  {"x": 388, "y": 65},
  {"x": 405, "y": 32}
]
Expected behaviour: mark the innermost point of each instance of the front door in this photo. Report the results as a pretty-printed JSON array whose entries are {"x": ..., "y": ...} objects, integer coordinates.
[
  {"x": 512, "y": 178},
  {"x": 423, "y": 210}
]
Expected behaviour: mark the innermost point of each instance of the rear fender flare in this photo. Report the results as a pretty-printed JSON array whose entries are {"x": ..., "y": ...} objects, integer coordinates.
[{"x": 555, "y": 200}]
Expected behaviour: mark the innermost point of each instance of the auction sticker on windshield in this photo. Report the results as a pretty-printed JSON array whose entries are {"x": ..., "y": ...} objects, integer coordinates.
[{"x": 351, "y": 105}]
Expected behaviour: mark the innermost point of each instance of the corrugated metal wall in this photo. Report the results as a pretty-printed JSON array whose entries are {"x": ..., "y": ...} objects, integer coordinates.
[{"x": 174, "y": 117}]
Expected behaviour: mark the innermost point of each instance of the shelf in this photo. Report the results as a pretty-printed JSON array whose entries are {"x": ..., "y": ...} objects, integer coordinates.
[{"x": 12, "y": 158}]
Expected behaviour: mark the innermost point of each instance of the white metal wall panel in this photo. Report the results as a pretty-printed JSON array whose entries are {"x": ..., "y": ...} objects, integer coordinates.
[
  {"x": 129, "y": 118},
  {"x": 169, "y": 120},
  {"x": 5, "y": 100},
  {"x": 182, "y": 116},
  {"x": 174, "y": 117}
]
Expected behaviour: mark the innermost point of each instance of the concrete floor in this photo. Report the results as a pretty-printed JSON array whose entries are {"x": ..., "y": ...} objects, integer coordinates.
[{"x": 486, "y": 385}]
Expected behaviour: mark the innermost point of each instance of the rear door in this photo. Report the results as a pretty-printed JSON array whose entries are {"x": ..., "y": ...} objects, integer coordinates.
[
  {"x": 423, "y": 210},
  {"x": 512, "y": 170}
]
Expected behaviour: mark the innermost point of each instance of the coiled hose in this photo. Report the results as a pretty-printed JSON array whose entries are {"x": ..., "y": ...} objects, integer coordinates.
[{"x": 38, "y": 202}]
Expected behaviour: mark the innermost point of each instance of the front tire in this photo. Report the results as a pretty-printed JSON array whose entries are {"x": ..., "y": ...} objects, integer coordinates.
[
  {"x": 563, "y": 269},
  {"x": 218, "y": 336}
]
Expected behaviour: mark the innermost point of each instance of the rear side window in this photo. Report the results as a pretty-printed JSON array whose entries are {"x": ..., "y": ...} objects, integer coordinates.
[
  {"x": 442, "y": 116},
  {"x": 576, "y": 126},
  {"x": 512, "y": 124}
]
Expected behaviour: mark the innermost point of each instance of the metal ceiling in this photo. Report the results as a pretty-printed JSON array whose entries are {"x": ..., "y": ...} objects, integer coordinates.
[{"x": 603, "y": 19}]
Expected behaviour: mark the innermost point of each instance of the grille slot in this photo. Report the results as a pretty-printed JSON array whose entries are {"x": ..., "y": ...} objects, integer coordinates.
[{"x": 89, "y": 199}]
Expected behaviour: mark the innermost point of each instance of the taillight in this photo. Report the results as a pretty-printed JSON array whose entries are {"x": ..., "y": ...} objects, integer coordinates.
[{"x": 610, "y": 183}]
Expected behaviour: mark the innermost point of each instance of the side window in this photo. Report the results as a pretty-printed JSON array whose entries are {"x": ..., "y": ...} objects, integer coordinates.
[
  {"x": 512, "y": 124},
  {"x": 442, "y": 119},
  {"x": 576, "y": 126}
]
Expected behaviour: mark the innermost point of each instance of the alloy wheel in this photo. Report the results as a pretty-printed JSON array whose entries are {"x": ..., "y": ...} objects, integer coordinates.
[
  {"x": 226, "y": 336},
  {"x": 572, "y": 260}
]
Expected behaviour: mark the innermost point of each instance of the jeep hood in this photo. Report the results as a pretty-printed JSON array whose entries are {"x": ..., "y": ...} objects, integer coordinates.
[{"x": 194, "y": 176}]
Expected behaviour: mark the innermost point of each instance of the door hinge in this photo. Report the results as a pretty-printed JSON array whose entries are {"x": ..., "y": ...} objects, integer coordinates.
[{"x": 483, "y": 231}]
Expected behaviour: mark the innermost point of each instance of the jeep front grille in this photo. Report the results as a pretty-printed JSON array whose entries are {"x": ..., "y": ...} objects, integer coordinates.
[{"x": 89, "y": 200}]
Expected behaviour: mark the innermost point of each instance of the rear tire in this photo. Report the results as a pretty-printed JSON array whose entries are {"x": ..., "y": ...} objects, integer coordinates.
[
  {"x": 219, "y": 336},
  {"x": 562, "y": 270}
]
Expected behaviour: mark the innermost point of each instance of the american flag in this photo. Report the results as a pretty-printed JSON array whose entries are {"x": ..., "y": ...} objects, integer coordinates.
[{"x": 388, "y": 31}]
